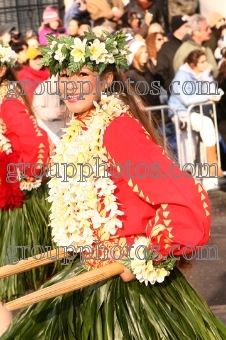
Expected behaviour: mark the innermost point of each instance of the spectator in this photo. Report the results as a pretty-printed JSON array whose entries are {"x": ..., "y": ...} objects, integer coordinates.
[
  {"x": 200, "y": 33},
  {"x": 154, "y": 42},
  {"x": 51, "y": 25},
  {"x": 221, "y": 111},
  {"x": 78, "y": 10},
  {"x": 73, "y": 27},
  {"x": 194, "y": 70},
  {"x": 84, "y": 26},
  {"x": 216, "y": 20},
  {"x": 20, "y": 48},
  {"x": 220, "y": 50},
  {"x": 152, "y": 6},
  {"x": 131, "y": 19},
  {"x": 47, "y": 108},
  {"x": 33, "y": 72},
  {"x": 32, "y": 41},
  {"x": 164, "y": 67},
  {"x": 108, "y": 9},
  {"x": 182, "y": 7},
  {"x": 102, "y": 24},
  {"x": 140, "y": 74},
  {"x": 5, "y": 33},
  {"x": 155, "y": 28}
]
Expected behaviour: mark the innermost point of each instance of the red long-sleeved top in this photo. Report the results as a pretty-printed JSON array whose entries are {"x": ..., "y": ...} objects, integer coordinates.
[{"x": 30, "y": 145}]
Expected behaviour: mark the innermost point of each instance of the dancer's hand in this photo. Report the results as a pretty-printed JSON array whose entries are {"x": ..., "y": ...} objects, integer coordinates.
[{"x": 127, "y": 275}]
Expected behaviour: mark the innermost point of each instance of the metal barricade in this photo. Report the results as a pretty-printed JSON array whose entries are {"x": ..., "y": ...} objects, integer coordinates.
[
  {"x": 214, "y": 116},
  {"x": 161, "y": 108},
  {"x": 191, "y": 157}
]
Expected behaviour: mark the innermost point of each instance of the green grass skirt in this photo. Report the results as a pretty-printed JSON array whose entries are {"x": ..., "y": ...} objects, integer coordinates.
[
  {"x": 115, "y": 310},
  {"x": 27, "y": 225}
]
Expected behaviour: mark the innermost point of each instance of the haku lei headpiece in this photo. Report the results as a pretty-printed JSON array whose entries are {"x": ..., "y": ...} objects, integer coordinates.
[
  {"x": 8, "y": 57},
  {"x": 68, "y": 53}
]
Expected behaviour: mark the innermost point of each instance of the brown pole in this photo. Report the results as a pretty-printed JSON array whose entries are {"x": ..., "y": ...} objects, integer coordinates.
[
  {"x": 66, "y": 286},
  {"x": 31, "y": 262}
]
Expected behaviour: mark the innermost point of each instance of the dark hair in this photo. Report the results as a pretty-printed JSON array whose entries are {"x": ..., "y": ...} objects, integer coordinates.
[
  {"x": 193, "y": 57},
  {"x": 10, "y": 75},
  {"x": 221, "y": 71},
  {"x": 18, "y": 46},
  {"x": 126, "y": 17},
  {"x": 84, "y": 22},
  {"x": 99, "y": 22}
]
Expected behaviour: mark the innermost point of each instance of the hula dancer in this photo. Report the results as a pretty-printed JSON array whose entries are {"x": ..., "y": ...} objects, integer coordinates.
[
  {"x": 126, "y": 202},
  {"x": 24, "y": 210}
]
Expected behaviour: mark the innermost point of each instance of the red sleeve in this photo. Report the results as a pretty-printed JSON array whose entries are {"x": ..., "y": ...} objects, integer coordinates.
[
  {"x": 33, "y": 141},
  {"x": 182, "y": 217}
]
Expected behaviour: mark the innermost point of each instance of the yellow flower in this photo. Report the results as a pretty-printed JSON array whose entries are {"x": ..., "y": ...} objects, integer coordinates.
[
  {"x": 97, "y": 49},
  {"x": 79, "y": 50},
  {"x": 161, "y": 273}
]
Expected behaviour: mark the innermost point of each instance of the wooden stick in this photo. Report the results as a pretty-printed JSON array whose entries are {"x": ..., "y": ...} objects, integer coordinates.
[
  {"x": 31, "y": 262},
  {"x": 66, "y": 286}
]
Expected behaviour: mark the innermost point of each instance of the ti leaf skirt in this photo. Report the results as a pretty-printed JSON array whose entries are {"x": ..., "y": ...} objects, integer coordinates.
[
  {"x": 26, "y": 225},
  {"x": 115, "y": 310}
]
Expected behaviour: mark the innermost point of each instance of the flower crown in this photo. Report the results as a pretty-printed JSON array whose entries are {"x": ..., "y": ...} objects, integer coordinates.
[
  {"x": 8, "y": 57},
  {"x": 68, "y": 53}
]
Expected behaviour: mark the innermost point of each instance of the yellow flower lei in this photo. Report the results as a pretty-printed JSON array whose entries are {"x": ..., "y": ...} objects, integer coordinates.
[{"x": 79, "y": 207}]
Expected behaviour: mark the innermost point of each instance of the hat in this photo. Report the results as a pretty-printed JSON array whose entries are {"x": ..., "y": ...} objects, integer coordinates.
[
  {"x": 6, "y": 28},
  {"x": 178, "y": 21},
  {"x": 32, "y": 53},
  {"x": 133, "y": 48},
  {"x": 50, "y": 14},
  {"x": 214, "y": 17}
]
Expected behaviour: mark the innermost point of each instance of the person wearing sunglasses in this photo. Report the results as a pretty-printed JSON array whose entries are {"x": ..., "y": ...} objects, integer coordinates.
[{"x": 199, "y": 33}]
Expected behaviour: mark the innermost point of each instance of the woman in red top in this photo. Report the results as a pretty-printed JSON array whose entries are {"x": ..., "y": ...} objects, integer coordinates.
[
  {"x": 24, "y": 148},
  {"x": 127, "y": 201},
  {"x": 32, "y": 73}
]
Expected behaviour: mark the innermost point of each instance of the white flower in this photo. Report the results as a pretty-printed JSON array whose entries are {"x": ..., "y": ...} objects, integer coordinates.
[
  {"x": 75, "y": 203},
  {"x": 161, "y": 273},
  {"x": 79, "y": 50},
  {"x": 59, "y": 55},
  {"x": 53, "y": 43},
  {"x": 98, "y": 51}
]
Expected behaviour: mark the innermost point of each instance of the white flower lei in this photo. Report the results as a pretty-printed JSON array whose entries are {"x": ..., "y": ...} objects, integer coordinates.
[
  {"x": 75, "y": 210},
  {"x": 76, "y": 206}
]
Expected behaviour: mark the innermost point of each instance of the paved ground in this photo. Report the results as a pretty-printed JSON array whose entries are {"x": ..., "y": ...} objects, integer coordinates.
[{"x": 209, "y": 276}]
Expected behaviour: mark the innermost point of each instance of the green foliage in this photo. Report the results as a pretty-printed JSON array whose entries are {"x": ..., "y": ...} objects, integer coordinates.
[{"x": 57, "y": 55}]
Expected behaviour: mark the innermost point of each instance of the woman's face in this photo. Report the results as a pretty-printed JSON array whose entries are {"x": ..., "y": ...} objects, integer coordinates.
[
  {"x": 73, "y": 27},
  {"x": 202, "y": 64},
  {"x": 22, "y": 55},
  {"x": 159, "y": 40},
  {"x": 143, "y": 56},
  {"x": 79, "y": 90},
  {"x": 35, "y": 63},
  {"x": 54, "y": 25},
  {"x": 83, "y": 28},
  {"x": 134, "y": 21}
]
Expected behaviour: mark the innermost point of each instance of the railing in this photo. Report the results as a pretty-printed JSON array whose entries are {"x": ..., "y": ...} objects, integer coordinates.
[{"x": 192, "y": 157}]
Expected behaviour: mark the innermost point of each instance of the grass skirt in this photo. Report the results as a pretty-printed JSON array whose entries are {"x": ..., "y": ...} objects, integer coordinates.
[
  {"x": 115, "y": 310},
  {"x": 27, "y": 225}
]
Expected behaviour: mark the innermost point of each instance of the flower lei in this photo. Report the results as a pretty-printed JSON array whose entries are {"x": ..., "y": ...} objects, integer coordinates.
[
  {"x": 70, "y": 54},
  {"x": 8, "y": 57},
  {"x": 146, "y": 263},
  {"x": 80, "y": 207}
]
